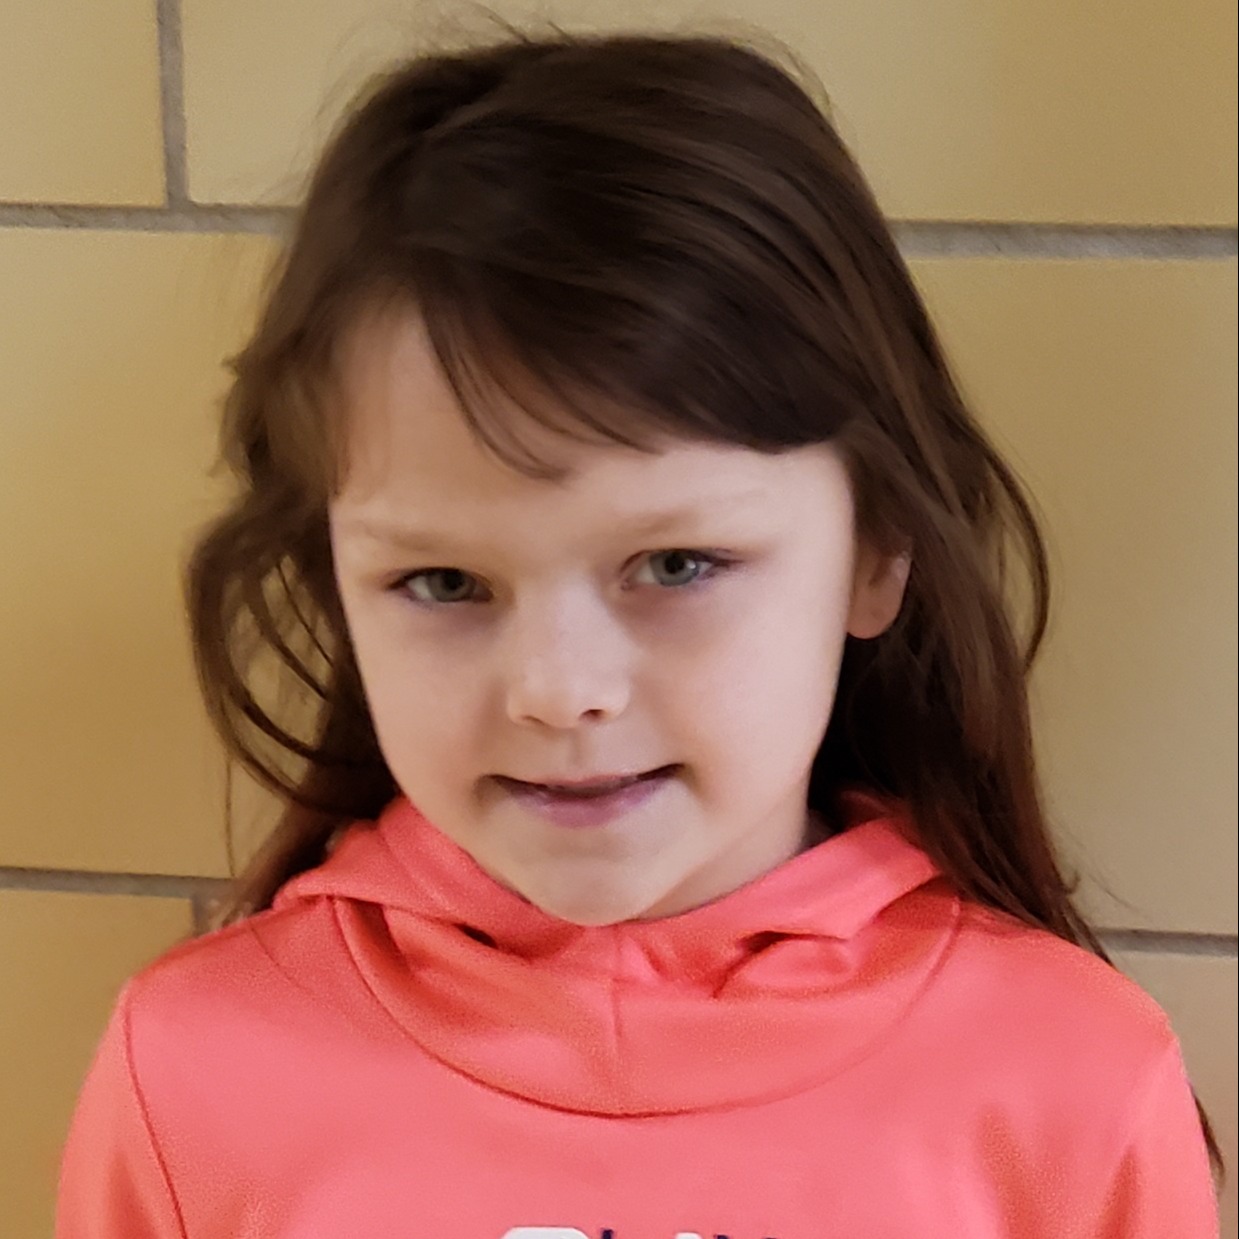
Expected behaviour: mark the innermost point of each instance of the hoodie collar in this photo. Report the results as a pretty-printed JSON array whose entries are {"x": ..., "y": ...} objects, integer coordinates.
[{"x": 758, "y": 994}]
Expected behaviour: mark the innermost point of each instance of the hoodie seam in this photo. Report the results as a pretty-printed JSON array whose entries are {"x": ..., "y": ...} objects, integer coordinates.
[
  {"x": 144, "y": 1110},
  {"x": 306, "y": 991},
  {"x": 617, "y": 969},
  {"x": 392, "y": 1019}
]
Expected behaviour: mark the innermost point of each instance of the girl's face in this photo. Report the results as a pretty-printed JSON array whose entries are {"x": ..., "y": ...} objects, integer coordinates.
[{"x": 683, "y": 610}]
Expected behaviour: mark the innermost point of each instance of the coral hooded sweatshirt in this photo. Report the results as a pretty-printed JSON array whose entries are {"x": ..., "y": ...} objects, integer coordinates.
[{"x": 400, "y": 1048}]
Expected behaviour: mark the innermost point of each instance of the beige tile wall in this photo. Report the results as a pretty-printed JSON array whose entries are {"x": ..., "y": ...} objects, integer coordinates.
[
  {"x": 1064, "y": 180},
  {"x": 110, "y": 352},
  {"x": 1111, "y": 384},
  {"x": 1035, "y": 110},
  {"x": 79, "y": 94},
  {"x": 64, "y": 956}
]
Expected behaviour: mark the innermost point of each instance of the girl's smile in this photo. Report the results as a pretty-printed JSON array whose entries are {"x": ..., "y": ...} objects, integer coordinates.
[{"x": 601, "y": 805}]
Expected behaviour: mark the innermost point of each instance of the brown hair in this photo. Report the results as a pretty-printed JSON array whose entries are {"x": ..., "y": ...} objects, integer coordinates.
[{"x": 657, "y": 234}]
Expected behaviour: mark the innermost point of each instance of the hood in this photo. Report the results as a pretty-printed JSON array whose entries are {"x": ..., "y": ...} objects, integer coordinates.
[{"x": 762, "y": 993}]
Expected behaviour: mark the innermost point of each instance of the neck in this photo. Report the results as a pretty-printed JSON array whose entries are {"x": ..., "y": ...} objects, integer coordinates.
[{"x": 817, "y": 830}]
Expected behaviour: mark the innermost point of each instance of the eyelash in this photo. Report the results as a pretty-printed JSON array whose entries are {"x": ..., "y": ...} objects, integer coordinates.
[{"x": 716, "y": 565}]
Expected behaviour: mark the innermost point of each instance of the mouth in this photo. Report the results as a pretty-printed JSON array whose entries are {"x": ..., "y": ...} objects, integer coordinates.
[
  {"x": 593, "y": 805},
  {"x": 587, "y": 789}
]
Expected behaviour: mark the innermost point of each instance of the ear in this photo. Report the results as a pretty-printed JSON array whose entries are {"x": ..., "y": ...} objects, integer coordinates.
[{"x": 878, "y": 585}]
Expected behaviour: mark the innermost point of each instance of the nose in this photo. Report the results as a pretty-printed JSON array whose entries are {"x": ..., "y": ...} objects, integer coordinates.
[{"x": 565, "y": 662}]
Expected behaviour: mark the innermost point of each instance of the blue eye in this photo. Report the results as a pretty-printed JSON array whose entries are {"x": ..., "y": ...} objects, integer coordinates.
[
  {"x": 681, "y": 561},
  {"x": 453, "y": 578},
  {"x": 686, "y": 568}
]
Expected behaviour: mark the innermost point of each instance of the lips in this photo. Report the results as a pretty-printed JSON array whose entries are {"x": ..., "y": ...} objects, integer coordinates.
[
  {"x": 590, "y": 808},
  {"x": 594, "y": 790},
  {"x": 586, "y": 789}
]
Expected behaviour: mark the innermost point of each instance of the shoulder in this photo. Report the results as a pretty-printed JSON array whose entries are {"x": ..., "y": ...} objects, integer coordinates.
[
  {"x": 244, "y": 1013},
  {"x": 225, "y": 989},
  {"x": 1064, "y": 1077},
  {"x": 1052, "y": 1002},
  {"x": 228, "y": 962}
]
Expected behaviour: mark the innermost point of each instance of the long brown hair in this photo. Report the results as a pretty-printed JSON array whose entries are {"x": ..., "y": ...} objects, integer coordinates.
[{"x": 638, "y": 234}]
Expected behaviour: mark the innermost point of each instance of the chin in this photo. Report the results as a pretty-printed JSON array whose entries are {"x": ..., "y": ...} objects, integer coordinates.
[
  {"x": 592, "y": 917},
  {"x": 589, "y": 913},
  {"x": 586, "y": 920}
]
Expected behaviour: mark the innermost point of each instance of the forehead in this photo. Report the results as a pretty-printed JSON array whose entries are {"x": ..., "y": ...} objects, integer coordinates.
[{"x": 409, "y": 445}]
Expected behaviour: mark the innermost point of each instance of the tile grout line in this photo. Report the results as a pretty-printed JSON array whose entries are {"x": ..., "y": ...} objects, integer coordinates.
[
  {"x": 188, "y": 217},
  {"x": 200, "y": 890},
  {"x": 949, "y": 239},
  {"x": 1169, "y": 942},
  {"x": 172, "y": 101},
  {"x": 93, "y": 882},
  {"x": 916, "y": 238},
  {"x": 200, "y": 912}
]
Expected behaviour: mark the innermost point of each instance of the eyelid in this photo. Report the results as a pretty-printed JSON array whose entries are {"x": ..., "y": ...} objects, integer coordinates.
[{"x": 716, "y": 563}]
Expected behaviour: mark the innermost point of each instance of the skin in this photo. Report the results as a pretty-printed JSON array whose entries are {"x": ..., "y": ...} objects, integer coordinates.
[{"x": 578, "y": 644}]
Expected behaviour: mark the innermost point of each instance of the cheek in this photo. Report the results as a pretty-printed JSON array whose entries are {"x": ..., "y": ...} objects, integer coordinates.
[
  {"x": 419, "y": 703},
  {"x": 427, "y": 737},
  {"x": 765, "y": 692}
]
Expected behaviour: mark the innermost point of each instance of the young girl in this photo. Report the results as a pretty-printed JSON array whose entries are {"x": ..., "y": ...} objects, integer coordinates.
[{"x": 666, "y": 857}]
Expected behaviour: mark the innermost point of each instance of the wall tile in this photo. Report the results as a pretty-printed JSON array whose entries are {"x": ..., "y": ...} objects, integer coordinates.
[
  {"x": 63, "y": 958},
  {"x": 79, "y": 103},
  {"x": 1112, "y": 387},
  {"x": 1042, "y": 110},
  {"x": 110, "y": 365}
]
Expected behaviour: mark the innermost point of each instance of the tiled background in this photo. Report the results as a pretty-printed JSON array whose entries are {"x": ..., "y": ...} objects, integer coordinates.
[{"x": 1063, "y": 180}]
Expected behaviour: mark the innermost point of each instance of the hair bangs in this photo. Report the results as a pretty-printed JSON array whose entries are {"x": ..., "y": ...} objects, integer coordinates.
[{"x": 500, "y": 381}]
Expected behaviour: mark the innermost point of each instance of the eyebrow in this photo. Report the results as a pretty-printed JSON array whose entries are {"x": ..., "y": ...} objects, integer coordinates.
[{"x": 409, "y": 537}]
